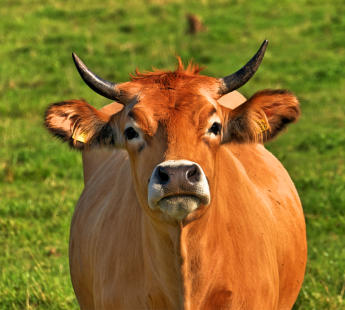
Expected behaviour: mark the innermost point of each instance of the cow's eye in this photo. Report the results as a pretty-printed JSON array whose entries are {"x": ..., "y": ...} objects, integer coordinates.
[
  {"x": 215, "y": 128},
  {"x": 130, "y": 133}
]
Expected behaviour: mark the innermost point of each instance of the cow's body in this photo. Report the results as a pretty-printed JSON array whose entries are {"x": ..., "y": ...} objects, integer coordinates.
[
  {"x": 187, "y": 209},
  {"x": 120, "y": 261},
  {"x": 133, "y": 269}
]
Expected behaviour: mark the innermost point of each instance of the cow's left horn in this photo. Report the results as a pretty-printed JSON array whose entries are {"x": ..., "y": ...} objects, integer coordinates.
[
  {"x": 100, "y": 86},
  {"x": 242, "y": 76}
]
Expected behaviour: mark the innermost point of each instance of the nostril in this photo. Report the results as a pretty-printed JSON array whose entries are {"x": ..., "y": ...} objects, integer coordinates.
[
  {"x": 163, "y": 176},
  {"x": 193, "y": 174}
]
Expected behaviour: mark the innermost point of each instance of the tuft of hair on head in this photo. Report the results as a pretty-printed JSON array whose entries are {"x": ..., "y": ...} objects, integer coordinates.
[{"x": 191, "y": 69}]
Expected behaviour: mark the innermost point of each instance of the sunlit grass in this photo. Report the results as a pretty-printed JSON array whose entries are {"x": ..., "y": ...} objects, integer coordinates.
[{"x": 41, "y": 179}]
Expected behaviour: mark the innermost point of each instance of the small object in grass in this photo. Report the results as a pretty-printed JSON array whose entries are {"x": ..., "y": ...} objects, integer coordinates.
[
  {"x": 195, "y": 24},
  {"x": 53, "y": 252}
]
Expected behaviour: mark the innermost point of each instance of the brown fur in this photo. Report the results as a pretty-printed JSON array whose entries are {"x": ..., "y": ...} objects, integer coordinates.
[
  {"x": 277, "y": 108},
  {"x": 245, "y": 250},
  {"x": 72, "y": 118},
  {"x": 164, "y": 77}
]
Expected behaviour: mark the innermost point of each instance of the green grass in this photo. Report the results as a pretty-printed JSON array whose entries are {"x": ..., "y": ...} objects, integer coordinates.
[{"x": 41, "y": 179}]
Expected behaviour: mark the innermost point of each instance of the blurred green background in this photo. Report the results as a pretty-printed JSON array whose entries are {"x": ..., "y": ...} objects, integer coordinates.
[{"x": 41, "y": 179}]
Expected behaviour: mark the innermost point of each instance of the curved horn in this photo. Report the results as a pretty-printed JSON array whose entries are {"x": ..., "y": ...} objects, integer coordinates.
[
  {"x": 242, "y": 76},
  {"x": 104, "y": 88}
]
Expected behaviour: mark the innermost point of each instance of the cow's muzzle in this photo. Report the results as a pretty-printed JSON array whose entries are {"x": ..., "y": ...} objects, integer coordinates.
[{"x": 178, "y": 187}]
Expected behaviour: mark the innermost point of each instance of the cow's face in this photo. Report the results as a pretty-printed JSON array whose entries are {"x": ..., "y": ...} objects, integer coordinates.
[
  {"x": 172, "y": 128},
  {"x": 172, "y": 135}
]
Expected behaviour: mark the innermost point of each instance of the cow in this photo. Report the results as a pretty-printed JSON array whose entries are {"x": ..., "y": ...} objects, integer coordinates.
[{"x": 183, "y": 207}]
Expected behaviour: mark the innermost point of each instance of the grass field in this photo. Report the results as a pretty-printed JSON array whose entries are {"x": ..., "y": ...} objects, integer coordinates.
[{"x": 41, "y": 179}]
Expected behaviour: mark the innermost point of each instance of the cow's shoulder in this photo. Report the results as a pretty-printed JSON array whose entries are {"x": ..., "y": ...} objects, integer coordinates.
[
  {"x": 258, "y": 163},
  {"x": 264, "y": 174}
]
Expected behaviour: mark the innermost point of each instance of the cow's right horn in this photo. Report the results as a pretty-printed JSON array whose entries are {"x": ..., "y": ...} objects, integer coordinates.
[{"x": 104, "y": 88}]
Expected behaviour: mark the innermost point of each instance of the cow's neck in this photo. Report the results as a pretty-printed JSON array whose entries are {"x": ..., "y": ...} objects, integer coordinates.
[
  {"x": 177, "y": 263},
  {"x": 203, "y": 269},
  {"x": 162, "y": 264}
]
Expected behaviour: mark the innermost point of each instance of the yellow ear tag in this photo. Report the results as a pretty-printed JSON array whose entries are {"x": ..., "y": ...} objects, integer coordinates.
[
  {"x": 80, "y": 138},
  {"x": 263, "y": 125}
]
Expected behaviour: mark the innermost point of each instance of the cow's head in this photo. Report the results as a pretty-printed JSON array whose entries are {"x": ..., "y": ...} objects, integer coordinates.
[{"x": 172, "y": 128}]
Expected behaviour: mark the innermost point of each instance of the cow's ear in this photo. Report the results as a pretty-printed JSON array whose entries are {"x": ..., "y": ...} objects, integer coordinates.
[
  {"x": 80, "y": 124},
  {"x": 261, "y": 117}
]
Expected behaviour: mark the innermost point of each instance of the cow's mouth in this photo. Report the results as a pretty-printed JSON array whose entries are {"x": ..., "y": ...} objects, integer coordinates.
[
  {"x": 179, "y": 206},
  {"x": 177, "y": 188}
]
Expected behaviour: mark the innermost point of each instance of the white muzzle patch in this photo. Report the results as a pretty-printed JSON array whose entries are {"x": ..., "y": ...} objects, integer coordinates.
[{"x": 177, "y": 188}]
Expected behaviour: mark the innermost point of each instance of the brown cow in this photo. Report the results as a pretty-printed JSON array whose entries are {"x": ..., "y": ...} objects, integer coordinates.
[{"x": 192, "y": 212}]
